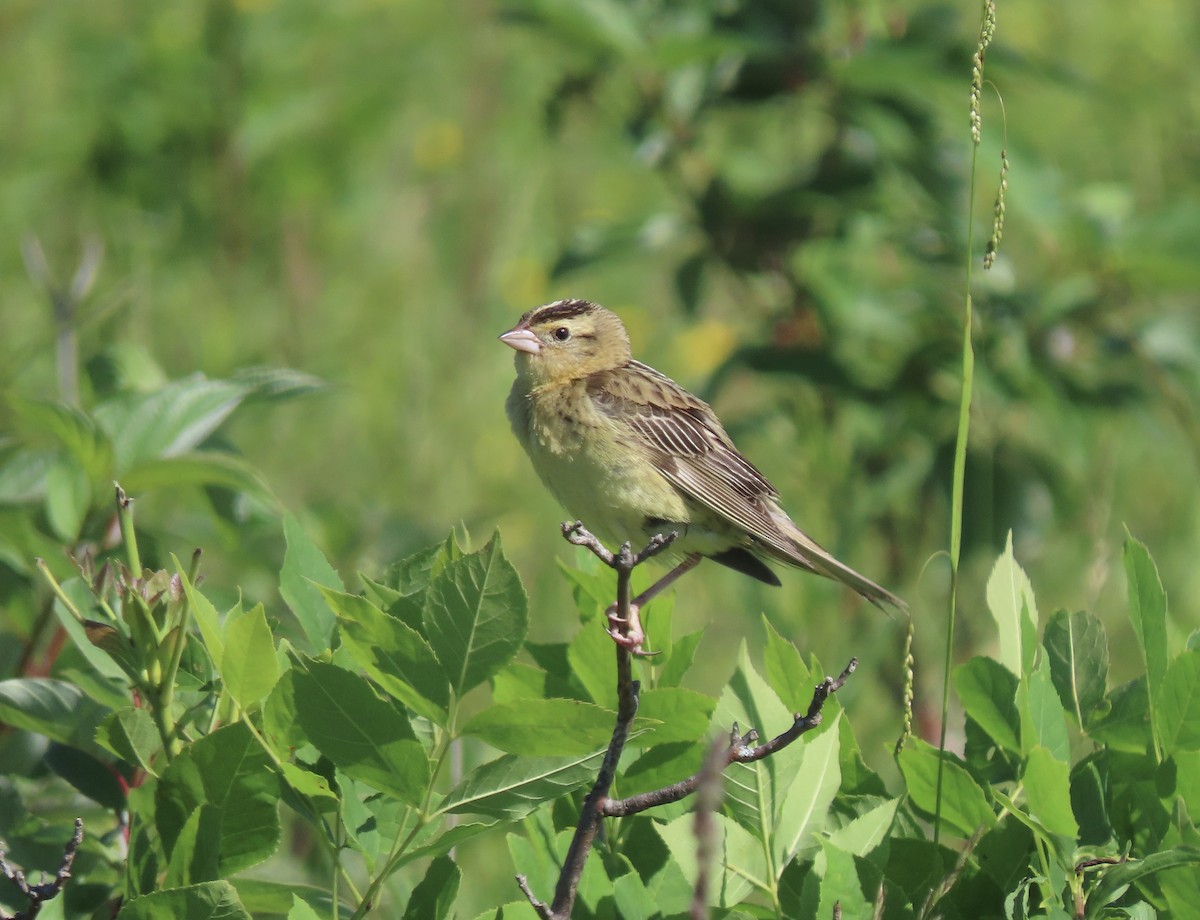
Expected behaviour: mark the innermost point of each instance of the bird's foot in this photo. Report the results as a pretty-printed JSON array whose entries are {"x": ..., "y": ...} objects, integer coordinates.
[{"x": 628, "y": 634}]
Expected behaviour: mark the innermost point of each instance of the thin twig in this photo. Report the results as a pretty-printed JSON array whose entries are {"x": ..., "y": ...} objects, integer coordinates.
[
  {"x": 597, "y": 805},
  {"x": 708, "y": 802},
  {"x": 39, "y": 894},
  {"x": 740, "y": 750}
]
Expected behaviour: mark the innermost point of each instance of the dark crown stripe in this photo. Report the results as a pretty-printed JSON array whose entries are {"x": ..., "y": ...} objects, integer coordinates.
[{"x": 560, "y": 310}]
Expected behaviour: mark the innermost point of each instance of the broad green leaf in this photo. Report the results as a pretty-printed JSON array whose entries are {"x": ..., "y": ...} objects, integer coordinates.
[
  {"x": 1047, "y": 781},
  {"x": 1126, "y": 726},
  {"x": 812, "y": 786},
  {"x": 312, "y": 785},
  {"x": 248, "y": 665},
  {"x": 1179, "y": 705},
  {"x": 606, "y": 26},
  {"x": 1043, "y": 721},
  {"x": 230, "y": 771},
  {"x": 281, "y": 725},
  {"x": 67, "y": 428},
  {"x": 1010, "y": 599},
  {"x": 593, "y": 662},
  {"x": 544, "y": 728},
  {"x": 1113, "y": 882},
  {"x": 511, "y": 787},
  {"x": 105, "y": 648},
  {"x": 785, "y": 670},
  {"x": 301, "y": 910},
  {"x": 988, "y": 692},
  {"x": 91, "y": 776},
  {"x": 207, "y": 618},
  {"x": 275, "y": 384},
  {"x": 682, "y": 715},
  {"x": 1148, "y": 613},
  {"x": 54, "y": 708},
  {"x": 754, "y": 792},
  {"x": 841, "y": 889},
  {"x": 439, "y": 839},
  {"x": 683, "y": 652},
  {"x": 412, "y": 575},
  {"x": 206, "y": 901},
  {"x": 661, "y": 765},
  {"x": 393, "y": 654},
  {"x": 433, "y": 898},
  {"x": 868, "y": 830},
  {"x": 193, "y": 857},
  {"x": 262, "y": 897},
  {"x": 169, "y": 421},
  {"x": 1077, "y": 649},
  {"x": 965, "y": 805},
  {"x": 305, "y": 570},
  {"x": 741, "y": 865},
  {"x": 130, "y": 734},
  {"x": 520, "y": 681},
  {"x": 365, "y": 736},
  {"x": 68, "y": 497},
  {"x": 199, "y": 468},
  {"x": 476, "y": 615},
  {"x": 632, "y": 899}
]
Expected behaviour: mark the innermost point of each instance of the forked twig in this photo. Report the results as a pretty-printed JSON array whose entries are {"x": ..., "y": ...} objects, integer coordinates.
[
  {"x": 597, "y": 805},
  {"x": 38, "y": 895}
]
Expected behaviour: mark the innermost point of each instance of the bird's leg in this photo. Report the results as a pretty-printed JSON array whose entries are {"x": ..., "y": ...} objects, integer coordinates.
[{"x": 633, "y": 635}]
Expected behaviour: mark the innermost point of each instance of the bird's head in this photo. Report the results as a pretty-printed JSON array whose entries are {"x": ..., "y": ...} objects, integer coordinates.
[{"x": 567, "y": 340}]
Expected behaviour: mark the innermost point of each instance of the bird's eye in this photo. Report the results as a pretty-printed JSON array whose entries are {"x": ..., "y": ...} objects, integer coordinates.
[{"x": 562, "y": 333}]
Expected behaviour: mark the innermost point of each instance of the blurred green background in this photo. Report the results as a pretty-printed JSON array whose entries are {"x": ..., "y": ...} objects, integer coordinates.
[{"x": 773, "y": 195}]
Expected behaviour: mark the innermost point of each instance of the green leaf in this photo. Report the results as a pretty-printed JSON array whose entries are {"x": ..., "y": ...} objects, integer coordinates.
[
  {"x": 1179, "y": 704},
  {"x": 248, "y": 666},
  {"x": 476, "y": 616},
  {"x": 683, "y": 652},
  {"x": 194, "y": 856},
  {"x": 230, "y": 771},
  {"x": 1148, "y": 613},
  {"x": 363, "y": 735},
  {"x": 1047, "y": 781},
  {"x": 868, "y": 830},
  {"x": 1126, "y": 726},
  {"x": 393, "y": 654},
  {"x": 741, "y": 863},
  {"x": 1042, "y": 718},
  {"x": 68, "y": 497},
  {"x": 54, "y": 708},
  {"x": 92, "y": 777},
  {"x": 988, "y": 692},
  {"x": 841, "y": 889},
  {"x": 1010, "y": 599},
  {"x": 1114, "y": 881},
  {"x": 168, "y": 422},
  {"x": 305, "y": 570},
  {"x": 301, "y": 910},
  {"x": 130, "y": 734},
  {"x": 68, "y": 428},
  {"x": 544, "y": 727},
  {"x": 412, "y": 575},
  {"x": 682, "y": 715},
  {"x": 439, "y": 839},
  {"x": 199, "y": 468},
  {"x": 593, "y": 663},
  {"x": 207, "y": 901},
  {"x": 433, "y": 898},
  {"x": 511, "y": 787},
  {"x": 207, "y": 618},
  {"x": 276, "y": 384},
  {"x": 1077, "y": 649},
  {"x": 785, "y": 670},
  {"x": 964, "y": 804},
  {"x": 590, "y": 25},
  {"x": 811, "y": 789}
]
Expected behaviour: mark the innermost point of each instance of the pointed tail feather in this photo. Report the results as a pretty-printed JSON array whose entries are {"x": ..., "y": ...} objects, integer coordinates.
[{"x": 812, "y": 555}]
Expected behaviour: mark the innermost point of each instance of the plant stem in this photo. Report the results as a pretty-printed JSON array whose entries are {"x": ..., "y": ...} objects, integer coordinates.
[{"x": 128, "y": 536}]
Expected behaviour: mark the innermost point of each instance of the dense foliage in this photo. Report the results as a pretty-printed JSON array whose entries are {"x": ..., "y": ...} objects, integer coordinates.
[{"x": 774, "y": 196}]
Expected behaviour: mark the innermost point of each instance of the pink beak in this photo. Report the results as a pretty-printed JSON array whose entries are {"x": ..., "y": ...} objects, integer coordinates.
[{"x": 522, "y": 340}]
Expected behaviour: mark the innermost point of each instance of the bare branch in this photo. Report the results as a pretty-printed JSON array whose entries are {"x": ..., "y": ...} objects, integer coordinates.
[{"x": 39, "y": 894}]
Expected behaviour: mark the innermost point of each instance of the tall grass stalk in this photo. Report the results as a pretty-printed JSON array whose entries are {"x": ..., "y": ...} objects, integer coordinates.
[{"x": 986, "y": 30}]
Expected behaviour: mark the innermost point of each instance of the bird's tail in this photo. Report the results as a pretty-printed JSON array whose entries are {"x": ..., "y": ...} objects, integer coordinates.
[{"x": 813, "y": 556}]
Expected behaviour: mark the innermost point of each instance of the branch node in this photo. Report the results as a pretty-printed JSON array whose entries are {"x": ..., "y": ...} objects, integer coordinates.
[{"x": 542, "y": 910}]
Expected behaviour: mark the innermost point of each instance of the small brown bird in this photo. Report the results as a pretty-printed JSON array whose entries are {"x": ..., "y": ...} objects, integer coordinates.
[{"x": 631, "y": 454}]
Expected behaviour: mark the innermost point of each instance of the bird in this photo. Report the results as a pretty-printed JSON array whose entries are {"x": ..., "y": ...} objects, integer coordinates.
[{"x": 631, "y": 453}]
